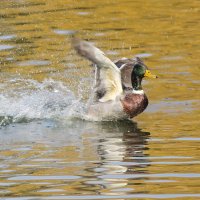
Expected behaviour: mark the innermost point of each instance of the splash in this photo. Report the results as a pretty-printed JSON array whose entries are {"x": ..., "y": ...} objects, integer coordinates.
[{"x": 26, "y": 100}]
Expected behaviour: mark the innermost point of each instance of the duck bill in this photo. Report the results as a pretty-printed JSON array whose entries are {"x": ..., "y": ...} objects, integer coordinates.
[{"x": 149, "y": 74}]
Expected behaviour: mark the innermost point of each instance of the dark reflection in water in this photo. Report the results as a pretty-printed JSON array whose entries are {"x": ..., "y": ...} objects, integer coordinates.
[{"x": 121, "y": 153}]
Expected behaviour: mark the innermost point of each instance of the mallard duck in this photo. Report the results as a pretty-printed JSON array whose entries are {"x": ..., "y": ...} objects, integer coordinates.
[{"x": 117, "y": 91}]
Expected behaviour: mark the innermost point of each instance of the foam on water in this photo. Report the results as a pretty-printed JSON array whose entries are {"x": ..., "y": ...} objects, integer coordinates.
[{"x": 24, "y": 100}]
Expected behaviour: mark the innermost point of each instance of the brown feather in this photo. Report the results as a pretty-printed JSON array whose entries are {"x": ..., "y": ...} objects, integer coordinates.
[{"x": 134, "y": 104}]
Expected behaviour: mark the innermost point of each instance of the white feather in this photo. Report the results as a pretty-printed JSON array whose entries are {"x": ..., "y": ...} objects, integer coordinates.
[{"x": 138, "y": 91}]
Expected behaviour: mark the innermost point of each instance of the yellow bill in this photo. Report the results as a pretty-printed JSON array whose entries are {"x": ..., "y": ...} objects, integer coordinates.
[{"x": 149, "y": 74}]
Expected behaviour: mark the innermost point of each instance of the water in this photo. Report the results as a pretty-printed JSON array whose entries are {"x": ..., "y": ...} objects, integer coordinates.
[{"x": 47, "y": 148}]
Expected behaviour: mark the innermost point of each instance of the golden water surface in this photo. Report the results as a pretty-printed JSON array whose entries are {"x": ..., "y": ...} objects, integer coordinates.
[{"x": 43, "y": 156}]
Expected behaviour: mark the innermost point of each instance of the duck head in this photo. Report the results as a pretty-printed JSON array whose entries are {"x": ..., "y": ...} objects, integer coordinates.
[{"x": 140, "y": 71}]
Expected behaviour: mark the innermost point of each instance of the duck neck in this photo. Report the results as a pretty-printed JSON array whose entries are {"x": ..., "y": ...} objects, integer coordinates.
[{"x": 136, "y": 83}]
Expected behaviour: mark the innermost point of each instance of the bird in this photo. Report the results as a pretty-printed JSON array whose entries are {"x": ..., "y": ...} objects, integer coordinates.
[{"x": 117, "y": 92}]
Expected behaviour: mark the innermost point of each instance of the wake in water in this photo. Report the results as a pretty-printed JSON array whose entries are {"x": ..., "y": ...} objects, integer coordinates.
[{"x": 26, "y": 100}]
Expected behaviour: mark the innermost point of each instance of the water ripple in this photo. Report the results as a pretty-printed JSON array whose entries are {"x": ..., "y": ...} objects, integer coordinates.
[
  {"x": 116, "y": 197},
  {"x": 26, "y": 178},
  {"x": 164, "y": 175}
]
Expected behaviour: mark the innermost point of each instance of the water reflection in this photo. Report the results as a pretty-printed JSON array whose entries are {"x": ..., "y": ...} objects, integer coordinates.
[
  {"x": 82, "y": 160},
  {"x": 91, "y": 158},
  {"x": 119, "y": 158}
]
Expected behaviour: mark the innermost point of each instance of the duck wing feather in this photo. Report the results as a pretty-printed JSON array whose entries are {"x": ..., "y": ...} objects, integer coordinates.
[{"x": 107, "y": 76}]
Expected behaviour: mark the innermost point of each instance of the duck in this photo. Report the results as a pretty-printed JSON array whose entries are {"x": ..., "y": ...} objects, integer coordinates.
[{"x": 117, "y": 93}]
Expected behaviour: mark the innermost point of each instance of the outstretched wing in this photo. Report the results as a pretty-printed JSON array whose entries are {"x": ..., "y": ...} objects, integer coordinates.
[{"x": 108, "y": 75}]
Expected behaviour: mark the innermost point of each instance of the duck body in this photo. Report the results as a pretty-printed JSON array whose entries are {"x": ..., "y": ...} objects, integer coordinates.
[
  {"x": 117, "y": 92},
  {"x": 126, "y": 106}
]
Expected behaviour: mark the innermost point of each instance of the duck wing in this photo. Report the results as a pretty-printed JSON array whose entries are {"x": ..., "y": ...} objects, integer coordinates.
[{"x": 107, "y": 75}]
